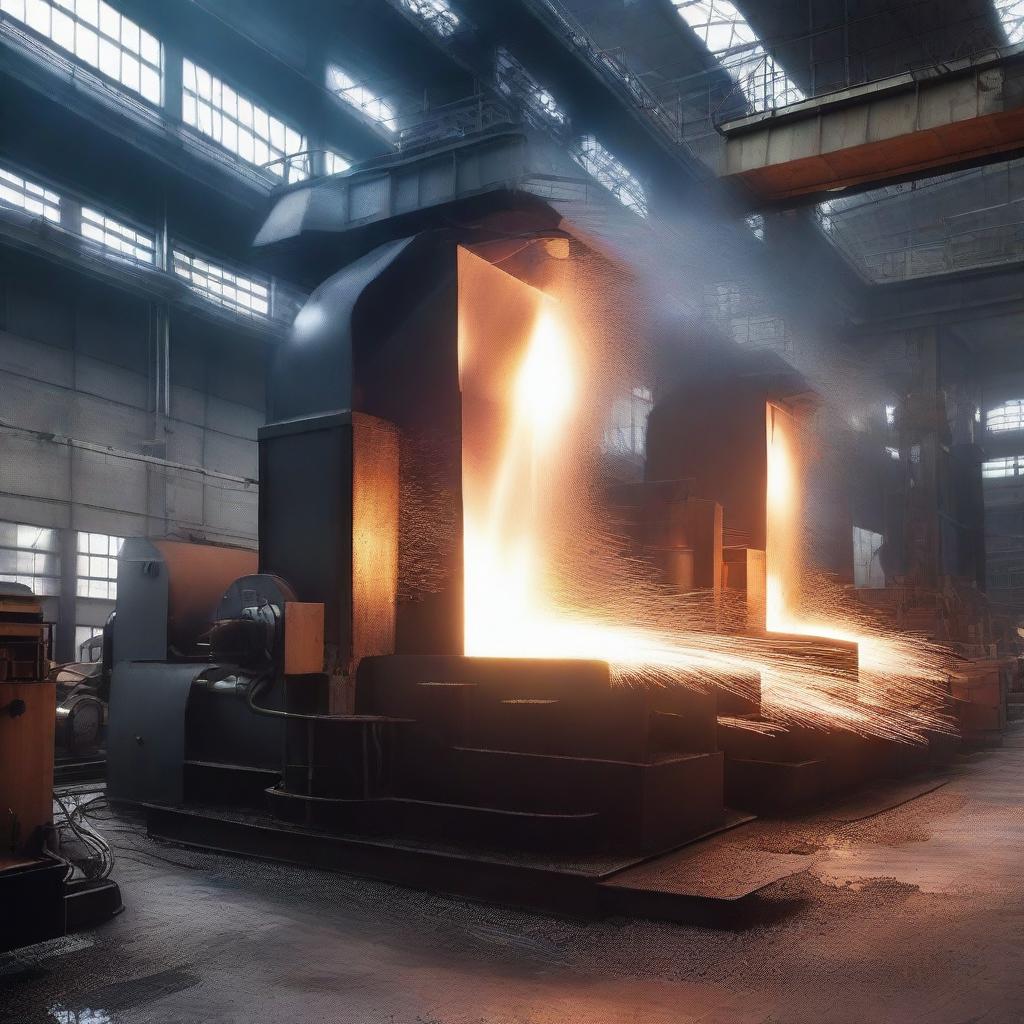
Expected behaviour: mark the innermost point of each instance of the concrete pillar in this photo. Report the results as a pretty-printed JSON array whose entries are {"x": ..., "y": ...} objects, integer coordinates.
[
  {"x": 172, "y": 80},
  {"x": 64, "y": 646}
]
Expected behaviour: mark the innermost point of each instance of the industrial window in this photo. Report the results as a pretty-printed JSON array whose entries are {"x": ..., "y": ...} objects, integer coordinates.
[
  {"x": 436, "y": 13},
  {"x": 1011, "y": 17},
  {"x": 359, "y": 96},
  {"x": 517, "y": 83},
  {"x": 119, "y": 239},
  {"x": 83, "y": 634},
  {"x": 995, "y": 469},
  {"x": 28, "y": 196},
  {"x": 610, "y": 172},
  {"x": 729, "y": 37},
  {"x": 627, "y": 433},
  {"x": 240, "y": 125},
  {"x": 29, "y": 555},
  {"x": 335, "y": 163},
  {"x": 97, "y": 565},
  {"x": 1005, "y": 417},
  {"x": 890, "y": 415},
  {"x": 98, "y": 36},
  {"x": 225, "y": 287}
]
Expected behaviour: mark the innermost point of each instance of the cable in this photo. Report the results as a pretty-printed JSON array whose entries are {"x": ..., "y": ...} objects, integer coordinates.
[
  {"x": 258, "y": 685},
  {"x": 89, "y": 838}
]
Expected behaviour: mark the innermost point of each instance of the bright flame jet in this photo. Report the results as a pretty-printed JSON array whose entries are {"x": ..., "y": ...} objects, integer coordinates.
[{"x": 526, "y": 381}]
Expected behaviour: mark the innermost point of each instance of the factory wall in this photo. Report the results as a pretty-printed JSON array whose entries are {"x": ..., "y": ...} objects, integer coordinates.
[{"x": 79, "y": 363}]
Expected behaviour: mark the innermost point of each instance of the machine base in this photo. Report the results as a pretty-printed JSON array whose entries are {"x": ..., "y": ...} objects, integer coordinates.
[
  {"x": 592, "y": 885},
  {"x": 771, "y": 774},
  {"x": 38, "y": 905}
]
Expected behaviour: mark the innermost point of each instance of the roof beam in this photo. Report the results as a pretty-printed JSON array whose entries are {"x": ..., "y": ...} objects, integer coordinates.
[{"x": 949, "y": 116}]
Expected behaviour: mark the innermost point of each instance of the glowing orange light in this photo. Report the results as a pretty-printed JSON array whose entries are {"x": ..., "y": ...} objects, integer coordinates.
[{"x": 525, "y": 386}]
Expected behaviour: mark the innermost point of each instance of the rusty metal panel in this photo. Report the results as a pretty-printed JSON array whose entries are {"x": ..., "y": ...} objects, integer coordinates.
[
  {"x": 375, "y": 494},
  {"x": 303, "y": 638},
  {"x": 26, "y": 764}
]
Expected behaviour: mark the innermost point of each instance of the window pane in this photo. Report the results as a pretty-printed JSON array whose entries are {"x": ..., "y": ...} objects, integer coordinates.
[
  {"x": 130, "y": 72},
  {"x": 87, "y": 45},
  {"x": 37, "y": 16},
  {"x": 149, "y": 85},
  {"x": 15, "y": 8},
  {"x": 63, "y": 30},
  {"x": 88, "y": 10},
  {"x": 149, "y": 48},
  {"x": 110, "y": 58},
  {"x": 38, "y": 538},
  {"x": 130, "y": 35},
  {"x": 109, "y": 21}
]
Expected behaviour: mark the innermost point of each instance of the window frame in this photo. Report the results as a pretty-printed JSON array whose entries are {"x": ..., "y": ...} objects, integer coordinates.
[
  {"x": 223, "y": 98},
  {"x": 183, "y": 255},
  {"x": 69, "y": 11},
  {"x": 53, "y": 552},
  {"x": 50, "y": 201},
  {"x": 111, "y": 547},
  {"x": 112, "y": 225},
  {"x": 1005, "y": 423}
]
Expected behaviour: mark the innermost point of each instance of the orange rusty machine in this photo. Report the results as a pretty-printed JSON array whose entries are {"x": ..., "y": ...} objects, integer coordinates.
[{"x": 38, "y": 900}]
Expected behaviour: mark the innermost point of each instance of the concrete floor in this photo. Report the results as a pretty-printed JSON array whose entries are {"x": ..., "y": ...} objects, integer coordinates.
[{"x": 915, "y": 914}]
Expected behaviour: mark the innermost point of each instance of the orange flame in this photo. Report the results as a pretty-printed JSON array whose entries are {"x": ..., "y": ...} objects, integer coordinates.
[{"x": 525, "y": 388}]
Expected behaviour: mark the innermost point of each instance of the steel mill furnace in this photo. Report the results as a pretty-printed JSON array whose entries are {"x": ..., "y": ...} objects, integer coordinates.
[{"x": 326, "y": 707}]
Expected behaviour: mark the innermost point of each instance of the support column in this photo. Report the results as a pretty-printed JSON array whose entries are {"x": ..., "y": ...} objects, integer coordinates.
[{"x": 64, "y": 647}]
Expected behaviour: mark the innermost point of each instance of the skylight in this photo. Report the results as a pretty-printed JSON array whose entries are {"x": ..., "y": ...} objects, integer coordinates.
[
  {"x": 610, "y": 172},
  {"x": 436, "y": 13},
  {"x": 98, "y": 36},
  {"x": 240, "y": 125},
  {"x": 28, "y": 196},
  {"x": 359, "y": 96},
  {"x": 1011, "y": 17},
  {"x": 730, "y": 38}
]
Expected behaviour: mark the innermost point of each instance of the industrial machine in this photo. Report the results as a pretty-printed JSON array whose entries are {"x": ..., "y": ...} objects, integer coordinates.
[
  {"x": 321, "y": 705},
  {"x": 39, "y": 897},
  {"x": 328, "y": 694}
]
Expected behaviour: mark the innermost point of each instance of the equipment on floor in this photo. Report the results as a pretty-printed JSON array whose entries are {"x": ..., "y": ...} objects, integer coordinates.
[
  {"x": 39, "y": 897},
  {"x": 317, "y": 691}
]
